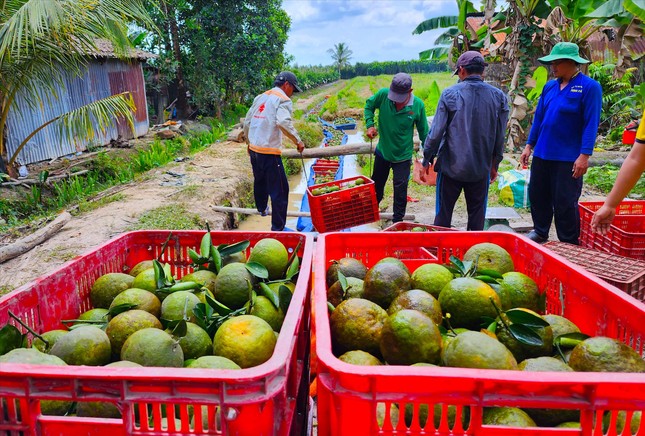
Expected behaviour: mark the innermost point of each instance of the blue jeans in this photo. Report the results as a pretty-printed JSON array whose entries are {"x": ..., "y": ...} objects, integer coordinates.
[{"x": 270, "y": 180}]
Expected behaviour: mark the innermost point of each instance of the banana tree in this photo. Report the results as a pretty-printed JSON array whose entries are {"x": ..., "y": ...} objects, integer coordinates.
[
  {"x": 39, "y": 38},
  {"x": 456, "y": 37}
]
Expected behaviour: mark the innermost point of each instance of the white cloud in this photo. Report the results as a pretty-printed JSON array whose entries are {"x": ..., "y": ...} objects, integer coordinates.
[{"x": 375, "y": 30}]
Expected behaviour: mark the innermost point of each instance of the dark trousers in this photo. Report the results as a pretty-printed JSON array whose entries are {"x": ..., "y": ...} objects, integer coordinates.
[
  {"x": 401, "y": 177},
  {"x": 449, "y": 190},
  {"x": 270, "y": 180},
  {"x": 554, "y": 193}
]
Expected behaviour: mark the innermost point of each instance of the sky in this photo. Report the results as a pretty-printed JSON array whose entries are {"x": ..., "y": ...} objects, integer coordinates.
[{"x": 375, "y": 30}]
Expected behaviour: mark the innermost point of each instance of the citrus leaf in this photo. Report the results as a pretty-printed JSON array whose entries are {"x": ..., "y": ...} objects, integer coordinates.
[
  {"x": 330, "y": 307},
  {"x": 120, "y": 308},
  {"x": 469, "y": 267},
  {"x": 343, "y": 281},
  {"x": 525, "y": 335},
  {"x": 517, "y": 316},
  {"x": 185, "y": 286},
  {"x": 216, "y": 259},
  {"x": 442, "y": 330},
  {"x": 195, "y": 257},
  {"x": 285, "y": 298},
  {"x": 10, "y": 338},
  {"x": 486, "y": 321},
  {"x": 294, "y": 268},
  {"x": 492, "y": 327},
  {"x": 206, "y": 245},
  {"x": 227, "y": 250},
  {"x": 490, "y": 272},
  {"x": 180, "y": 329},
  {"x": 570, "y": 340},
  {"x": 257, "y": 269},
  {"x": 217, "y": 306},
  {"x": 266, "y": 291},
  {"x": 170, "y": 280},
  {"x": 486, "y": 279},
  {"x": 459, "y": 265},
  {"x": 160, "y": 275}
]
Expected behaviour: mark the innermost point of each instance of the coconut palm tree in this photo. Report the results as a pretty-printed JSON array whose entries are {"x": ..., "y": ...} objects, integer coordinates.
[
  {"x": 41, "y": 39},
  {"x": 341, "y": 54}
]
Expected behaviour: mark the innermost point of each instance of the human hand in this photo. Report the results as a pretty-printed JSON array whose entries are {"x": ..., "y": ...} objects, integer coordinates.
[
  {"x": 493, "y": 174},
  {"x": 372, "y": 132},
  {"x": 602, "y": 219},
  {"x": 524, "y": 157},
  {"x": 580, "y": 166},
  {"x": 301, "y": 146},
  {"x": 425, "y": 172}
]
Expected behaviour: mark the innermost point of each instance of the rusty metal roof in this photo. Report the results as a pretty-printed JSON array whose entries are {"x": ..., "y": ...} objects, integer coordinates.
[{"x": 104, "y": 49}]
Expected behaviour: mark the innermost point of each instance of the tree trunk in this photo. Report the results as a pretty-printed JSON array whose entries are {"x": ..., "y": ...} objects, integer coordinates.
[
  {"x": 25, "y": 244},
  {"x": 182, "y": 102}
]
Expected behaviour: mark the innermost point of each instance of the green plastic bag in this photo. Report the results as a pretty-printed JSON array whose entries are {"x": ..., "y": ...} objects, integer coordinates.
[{"x": 514, "y": 188}]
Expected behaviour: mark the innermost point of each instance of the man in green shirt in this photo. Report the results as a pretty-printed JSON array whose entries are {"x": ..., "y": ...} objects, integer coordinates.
[{"x": 399, "y": 111}]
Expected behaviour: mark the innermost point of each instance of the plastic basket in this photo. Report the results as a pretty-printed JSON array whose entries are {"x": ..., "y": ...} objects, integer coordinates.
[
  {"x": 626, "y": 235},
  {"x": 342, "y": 209},
  {"x": 329, "y": 162},
  {"x": 261, "y": 400},
  {"x": 324, "y": 169},
  {"x": 350, "y": 125},
  {"x": 349, "y": 395},
  {"x": 625, "y": 273},
  {"x": 404, "y": 226}
]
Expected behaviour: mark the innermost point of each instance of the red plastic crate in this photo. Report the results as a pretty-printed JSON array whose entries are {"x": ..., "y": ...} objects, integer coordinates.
[
  {"x": 625, "y": 273},
  {"x": 348, "y": 395},
  {"x": 405, "y": 226},
  {"x": 262, "y": 400},
  {"x": 345, "y": 208},
  {"x": 626, "y": 236},
  {"x": 324, "y": 170},
  {"x": 329, "y": 162}
]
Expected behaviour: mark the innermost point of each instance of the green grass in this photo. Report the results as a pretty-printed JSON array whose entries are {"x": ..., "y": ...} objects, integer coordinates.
[
  {"x": 105, "y": 171},
  {"x": 603, "y": 178},
  {"x": 5, "y": 290},
  {"x": 169, "y": 217}
]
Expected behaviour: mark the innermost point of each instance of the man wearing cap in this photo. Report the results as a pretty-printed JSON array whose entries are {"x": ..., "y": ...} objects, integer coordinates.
[
  {"x": 399, "y": 112},
  {"x": 467, "y": 139},
  {"x": 562, "y": 138},
  {"x": 266, "y": 121}
]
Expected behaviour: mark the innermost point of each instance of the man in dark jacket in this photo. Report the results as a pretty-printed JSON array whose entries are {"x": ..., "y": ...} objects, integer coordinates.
[{"x": 467, "y": 138}]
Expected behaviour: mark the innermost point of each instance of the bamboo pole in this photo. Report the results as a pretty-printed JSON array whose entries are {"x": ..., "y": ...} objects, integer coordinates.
[
  {"x": 334, "y": 150},
  {"x": 250, "y": 211}
]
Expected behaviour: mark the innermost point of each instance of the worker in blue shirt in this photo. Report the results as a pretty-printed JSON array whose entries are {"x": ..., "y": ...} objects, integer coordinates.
[{"x": 562, "y": 138}]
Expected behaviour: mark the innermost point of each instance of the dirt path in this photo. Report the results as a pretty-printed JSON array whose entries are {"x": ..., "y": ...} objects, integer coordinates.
[{"x": 213, "y": 176}]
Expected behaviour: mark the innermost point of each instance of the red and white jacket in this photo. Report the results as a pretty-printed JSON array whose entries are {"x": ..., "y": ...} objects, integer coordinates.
[{"x": 267, "y": 119}]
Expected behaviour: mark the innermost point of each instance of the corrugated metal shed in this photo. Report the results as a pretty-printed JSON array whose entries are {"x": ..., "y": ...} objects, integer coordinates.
[{"x": 102, "y": 78}]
